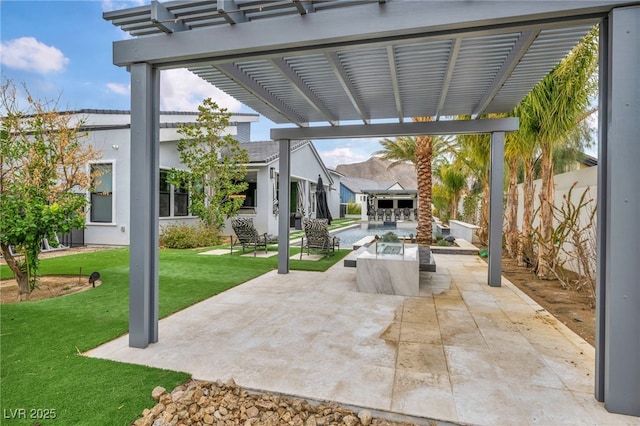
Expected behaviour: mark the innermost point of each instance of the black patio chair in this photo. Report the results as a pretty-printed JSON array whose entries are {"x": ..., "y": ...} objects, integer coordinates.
[
  {"x": 248, "y": 236},
  {"x": 316, "y": 237},
  {"x": 406, "y": 212}
]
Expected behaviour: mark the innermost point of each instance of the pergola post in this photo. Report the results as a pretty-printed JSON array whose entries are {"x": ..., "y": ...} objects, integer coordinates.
[
  {"x": 601, "y": 248},
  {"x": 143, "y": 225},
  {"x": 496, "y": 208},
  {"x": 284, "y": 202},
  {"x": 620, "y": 234}
]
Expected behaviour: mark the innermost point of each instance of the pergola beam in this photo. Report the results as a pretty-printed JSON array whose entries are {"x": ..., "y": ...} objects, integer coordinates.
[
  {"x": 517, "y": 53},
  {"x": 334, "y": 27},
  {"x": 231, "y": 12},
  {"x": 304, "y": 6},
  {"x": 347, "y": 85},
  {"x": 393, "y": 68},
  {"x": 237, "y": 75},
  {"x": 453, "y": 58},
  {"x": 383, "y": 130},
  {"x": 301, "y": 87},
  {"x": 165, "y": 20}
]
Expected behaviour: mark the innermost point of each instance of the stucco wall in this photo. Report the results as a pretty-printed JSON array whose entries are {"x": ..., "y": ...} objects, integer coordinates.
[{"x": 584, "y": 179}]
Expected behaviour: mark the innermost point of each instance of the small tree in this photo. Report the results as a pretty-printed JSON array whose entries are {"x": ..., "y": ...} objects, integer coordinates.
[
  {"x": 216, "y": 166},
  {"x": 42, "y": 173}
]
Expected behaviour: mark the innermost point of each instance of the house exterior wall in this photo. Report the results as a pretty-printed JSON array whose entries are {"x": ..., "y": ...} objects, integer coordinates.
[
  {"x": 347, "y": 195},
  {"x": 305, "y": 167},
  {"x": 109, "y": 133},
  {"x": 114, "y": 146},
  {"x": 243, "y": 132}
]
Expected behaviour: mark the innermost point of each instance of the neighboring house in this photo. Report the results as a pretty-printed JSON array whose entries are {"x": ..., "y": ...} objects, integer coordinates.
[
  {"x": 352, "y": 189},
  {"x": 108, "y": 216},
  {"x": 371, "y": 194}
]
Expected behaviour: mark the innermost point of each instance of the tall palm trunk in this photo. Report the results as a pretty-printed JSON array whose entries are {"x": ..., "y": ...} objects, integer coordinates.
[
  {"x": 528, "y": 192},
  {"x": 424, "y": 152},
  {"x": 547, "y": 193},
  {"x": 512, "y": 232}
]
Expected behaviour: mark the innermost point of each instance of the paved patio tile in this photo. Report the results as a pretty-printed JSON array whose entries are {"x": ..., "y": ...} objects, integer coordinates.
[{"x": 464, "y": 352}]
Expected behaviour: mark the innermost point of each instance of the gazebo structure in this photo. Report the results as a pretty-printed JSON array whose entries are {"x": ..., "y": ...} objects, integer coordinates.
[{"x": 357, "y": 64}]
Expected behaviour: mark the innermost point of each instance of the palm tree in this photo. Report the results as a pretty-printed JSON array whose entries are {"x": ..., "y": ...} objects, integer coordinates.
[
  {"x": 512, "y": 156},
  {"x": 454, "y": 181},
  {"x": 474, "y": 151},
  {"x": 420, "y": 152},
  {"x": 550, "y": 112}
]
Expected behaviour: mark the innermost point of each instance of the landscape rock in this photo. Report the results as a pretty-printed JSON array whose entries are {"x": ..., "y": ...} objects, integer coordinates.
[
  {"x": 365, "y": 417},
  {"x": 227, "y": 404},
  {"x": 157, "y": 392}
]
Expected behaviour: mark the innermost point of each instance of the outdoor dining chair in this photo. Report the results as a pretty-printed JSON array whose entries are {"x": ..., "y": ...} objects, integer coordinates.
[
  {"x": 317, "y": 237},
  {"x": 248, "y": 236}
]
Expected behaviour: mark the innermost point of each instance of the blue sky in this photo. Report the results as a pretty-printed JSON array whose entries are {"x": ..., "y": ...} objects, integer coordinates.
[{"x": 62, "y": 50}]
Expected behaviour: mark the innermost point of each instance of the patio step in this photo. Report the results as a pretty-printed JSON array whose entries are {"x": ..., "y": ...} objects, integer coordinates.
[
  {"x": 351, "y": 259},
  {"x": 425, "y": 259}
]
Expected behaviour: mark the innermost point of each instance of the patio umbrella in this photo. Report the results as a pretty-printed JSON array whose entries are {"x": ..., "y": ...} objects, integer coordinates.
[{"x": 322, "y": 207}]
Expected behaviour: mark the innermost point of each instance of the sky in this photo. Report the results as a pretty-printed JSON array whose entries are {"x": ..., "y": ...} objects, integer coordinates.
[{"x": 62, "y": 51}]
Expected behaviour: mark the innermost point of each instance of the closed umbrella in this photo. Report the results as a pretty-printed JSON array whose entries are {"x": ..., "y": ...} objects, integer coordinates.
[{"x": 322, "y": 207}]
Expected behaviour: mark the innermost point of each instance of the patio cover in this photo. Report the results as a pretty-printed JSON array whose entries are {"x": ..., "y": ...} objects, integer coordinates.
[{"x": 363, "y": 67}]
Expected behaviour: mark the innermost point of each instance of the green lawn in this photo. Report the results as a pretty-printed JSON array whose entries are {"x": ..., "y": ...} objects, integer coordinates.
[{"x": 40, "y": 342}]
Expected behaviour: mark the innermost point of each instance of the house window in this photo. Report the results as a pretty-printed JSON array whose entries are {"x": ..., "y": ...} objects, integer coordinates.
[
  {"x": 405, "y": 204},
  {"x": 172, "y": 198},
  {"x": 102, "y": 194},
  {"x": 385, "y": 204},
  {"x": 165, "y": 194},
  {"x": 180, "y": 201},
  {"x": 250, "y": 195}
]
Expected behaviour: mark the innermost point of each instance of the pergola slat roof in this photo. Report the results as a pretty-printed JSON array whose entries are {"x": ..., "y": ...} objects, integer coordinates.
[{"x": 485, "y": 67}]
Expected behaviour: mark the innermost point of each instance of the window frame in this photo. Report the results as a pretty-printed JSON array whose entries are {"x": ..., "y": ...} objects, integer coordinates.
[
  {"x": 89, "y": 217},
  {"x": 172, "y": 192}
]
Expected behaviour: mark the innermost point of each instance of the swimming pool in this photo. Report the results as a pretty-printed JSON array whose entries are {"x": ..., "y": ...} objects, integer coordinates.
[{"x": 351, "y": 235}]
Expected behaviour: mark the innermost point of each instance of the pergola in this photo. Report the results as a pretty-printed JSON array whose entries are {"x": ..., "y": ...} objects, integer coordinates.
[{"x": 359, "y": 68}]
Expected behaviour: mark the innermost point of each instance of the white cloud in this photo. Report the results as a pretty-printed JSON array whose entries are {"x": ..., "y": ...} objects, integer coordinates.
[
  {"x": 182, "y": 90},
  {"x": 120, "y": 89},
  {"x": 29, "y": 54},
  {"x": 109, "y": 5},
  {"x": 344, "y": 155}
]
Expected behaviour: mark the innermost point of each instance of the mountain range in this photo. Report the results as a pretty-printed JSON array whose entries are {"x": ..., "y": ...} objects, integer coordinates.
[{"x": 378, "y": 169}]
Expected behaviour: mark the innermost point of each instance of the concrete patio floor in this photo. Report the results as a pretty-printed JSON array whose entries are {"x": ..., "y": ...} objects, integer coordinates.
[{"x": 463, "y": 352}]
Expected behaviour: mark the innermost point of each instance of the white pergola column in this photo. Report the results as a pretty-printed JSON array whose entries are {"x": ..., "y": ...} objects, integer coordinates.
[
  {"x": 496, "y": 208},
  {"x": 618, "y": 316},
  {"x": 284, "y": 201},
  {"x": 143, "y": 224}
]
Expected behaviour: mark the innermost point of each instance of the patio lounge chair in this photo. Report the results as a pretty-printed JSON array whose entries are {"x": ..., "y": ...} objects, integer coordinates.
[
  {"x": 316, "y": 237},
  {"x": 248, "y": 236}
]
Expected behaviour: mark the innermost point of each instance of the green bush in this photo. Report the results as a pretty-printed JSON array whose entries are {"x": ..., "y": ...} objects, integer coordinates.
[
  {"x": 181, "y": 236},
  {"x": 390, "y": 237},
  {"x": 354, "y": 208}
]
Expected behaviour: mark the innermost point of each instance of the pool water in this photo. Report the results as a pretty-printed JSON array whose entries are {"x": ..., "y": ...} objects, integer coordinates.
[{"x": 352, "y": 235}]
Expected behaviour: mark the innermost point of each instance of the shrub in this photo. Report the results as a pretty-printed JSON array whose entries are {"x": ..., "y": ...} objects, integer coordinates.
[
  {"x": 390, "y": 237},
  {"x": 354, "y": 208},
  {"x": 181, "y": 236}
]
